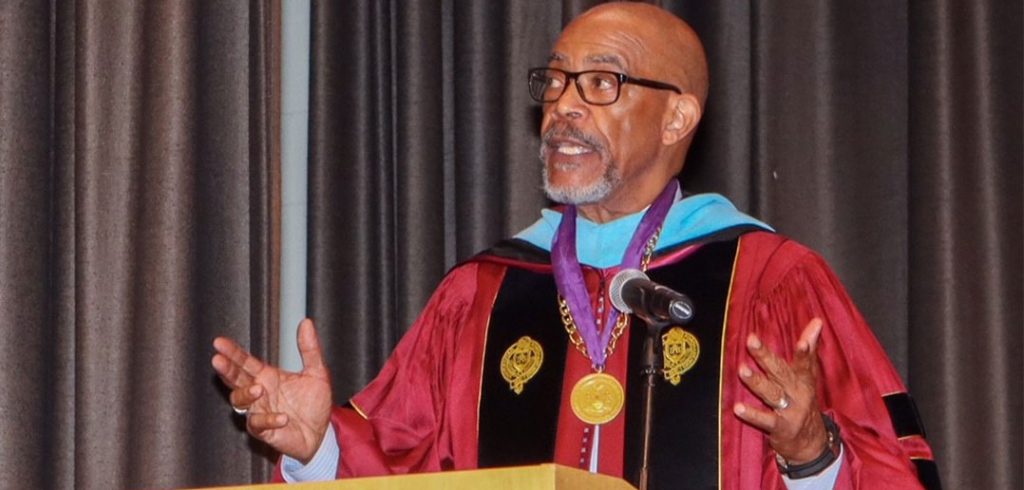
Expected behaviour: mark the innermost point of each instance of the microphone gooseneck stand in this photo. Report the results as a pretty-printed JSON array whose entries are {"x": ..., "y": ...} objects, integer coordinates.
[
  {"x": 650, "y": 372},
  {"x": 658, "y": 307}
]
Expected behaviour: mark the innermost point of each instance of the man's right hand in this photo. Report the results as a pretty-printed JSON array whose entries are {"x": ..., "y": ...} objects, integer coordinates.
[{"x": 290, "y": 411}]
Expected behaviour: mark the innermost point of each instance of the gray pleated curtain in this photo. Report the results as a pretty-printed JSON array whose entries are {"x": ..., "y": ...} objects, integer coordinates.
[
  {"x": 138, "y": 200},
  {"x": 136, "y": 223}
]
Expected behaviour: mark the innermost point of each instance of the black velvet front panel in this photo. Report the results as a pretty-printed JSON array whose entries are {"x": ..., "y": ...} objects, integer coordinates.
[
  {"x": 684, "y": 447},
  {"x": 519, "y": 429}
]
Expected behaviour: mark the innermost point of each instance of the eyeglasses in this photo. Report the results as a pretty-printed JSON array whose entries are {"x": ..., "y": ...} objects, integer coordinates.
[{"x": 596, "y": 87}]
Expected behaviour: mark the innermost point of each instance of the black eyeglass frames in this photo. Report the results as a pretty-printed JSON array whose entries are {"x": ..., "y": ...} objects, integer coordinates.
[{"x": 596, "y": 87}]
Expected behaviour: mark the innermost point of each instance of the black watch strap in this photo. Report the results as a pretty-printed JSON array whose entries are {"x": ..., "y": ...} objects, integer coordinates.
[{"x": 823, "y": 461}]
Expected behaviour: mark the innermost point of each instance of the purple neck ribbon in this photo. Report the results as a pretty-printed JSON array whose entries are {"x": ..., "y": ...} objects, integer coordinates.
[{"x": 569, "y": 274}]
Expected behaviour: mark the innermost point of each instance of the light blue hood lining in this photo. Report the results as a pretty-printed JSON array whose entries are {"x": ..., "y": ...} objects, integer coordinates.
[{"x": 601, "y": 245}]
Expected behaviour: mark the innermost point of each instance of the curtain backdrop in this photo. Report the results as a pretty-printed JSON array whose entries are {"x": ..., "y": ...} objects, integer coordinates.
[
  {"x": 886, "y": 136},
  {"x": 137, "y": 184},
  {"x": 138, "y": 200}
]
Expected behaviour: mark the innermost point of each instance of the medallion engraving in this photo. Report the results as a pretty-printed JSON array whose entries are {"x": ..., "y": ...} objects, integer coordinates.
[{"x": 597, "y": 398}]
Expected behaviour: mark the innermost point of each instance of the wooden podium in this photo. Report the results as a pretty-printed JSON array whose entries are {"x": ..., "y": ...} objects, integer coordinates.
[{"x": 540, "y": 477}]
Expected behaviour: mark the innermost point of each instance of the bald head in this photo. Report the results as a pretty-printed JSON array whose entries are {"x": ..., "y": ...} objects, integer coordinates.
[{"x": 667, "y": 47}]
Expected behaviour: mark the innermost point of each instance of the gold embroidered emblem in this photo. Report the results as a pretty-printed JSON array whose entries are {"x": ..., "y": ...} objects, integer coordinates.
[
  {"x": 597, "y": 398},
  {"x": 521, "y": 362},
  {"x": 680, "y": 350}
]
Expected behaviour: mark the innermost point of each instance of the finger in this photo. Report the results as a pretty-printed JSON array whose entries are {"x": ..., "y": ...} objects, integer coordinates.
[
  {"x": 230, "y": 373},
  {"x": 245, "y": 398},
  {"x": 772, "y": 365},
  {"x": 767, "y": 390},
  {"x": 309, "y": 346},
  {"x": 259, "y": 423},
  {"x": 237, "y": 355},
  {"x": 226, "y": 346},
  {"x": 762, "y": 419},
  {"x": 805, "y": 359},
  {"x": 809, "y": 337}
]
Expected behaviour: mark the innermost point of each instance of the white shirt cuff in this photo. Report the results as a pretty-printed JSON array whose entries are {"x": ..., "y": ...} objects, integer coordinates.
[
  {"x": 826, "y": 480},
  {"x": 323, "y": 466}
]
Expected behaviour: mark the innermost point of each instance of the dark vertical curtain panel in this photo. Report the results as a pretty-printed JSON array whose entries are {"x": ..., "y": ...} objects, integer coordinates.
[
  {"x": 888, "y": 137},
  {"x": 136, "y": 188},
  {"x": 416, "y": 115},
  {"x": 966, "y": 256}
]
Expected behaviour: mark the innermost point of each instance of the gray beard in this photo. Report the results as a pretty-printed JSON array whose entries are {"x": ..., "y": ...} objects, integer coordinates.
[{"x": 589, "y": 194}]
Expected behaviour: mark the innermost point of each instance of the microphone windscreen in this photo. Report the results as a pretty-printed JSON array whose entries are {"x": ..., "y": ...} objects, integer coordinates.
[{"x": 619, "y": 283}]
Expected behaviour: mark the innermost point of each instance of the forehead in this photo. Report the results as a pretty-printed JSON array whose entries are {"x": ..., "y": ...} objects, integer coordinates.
[{"x": 593, "y": 42}]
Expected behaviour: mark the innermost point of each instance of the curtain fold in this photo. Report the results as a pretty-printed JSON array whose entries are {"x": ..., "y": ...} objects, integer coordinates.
[
  {"x": 25, "y": 217},
  {"x": 888, "y": 139},
  {"x": 137, "y": 176},
  {"x": 965, "y": 227},
  {"x": 353, "y": 97}
]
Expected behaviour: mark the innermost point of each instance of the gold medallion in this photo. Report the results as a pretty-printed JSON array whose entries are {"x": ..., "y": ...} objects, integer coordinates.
[
  {"x": 597, "y": 398},
  {"x": 521, "y": 362},
  {"x": 680, "y": 350}
]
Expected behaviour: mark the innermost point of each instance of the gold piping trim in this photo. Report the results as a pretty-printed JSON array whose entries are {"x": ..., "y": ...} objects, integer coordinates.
[
  {"x": 911, "y": 436},
  {"x": 357, "y": 409},
  {"x": 894, "y": 393},
  {"x": 721, "y": 355}
]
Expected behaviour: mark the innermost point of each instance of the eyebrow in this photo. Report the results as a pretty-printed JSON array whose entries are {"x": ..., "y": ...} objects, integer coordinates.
[
  {"x": 607, "y": 59},
  {"x": 601, "y": 59}
]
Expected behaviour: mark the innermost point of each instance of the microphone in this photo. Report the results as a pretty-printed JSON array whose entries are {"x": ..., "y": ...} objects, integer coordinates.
[{"x": 632, "y": 292}]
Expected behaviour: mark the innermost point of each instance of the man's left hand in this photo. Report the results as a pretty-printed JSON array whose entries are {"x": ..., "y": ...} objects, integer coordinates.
[{"x": 793, "y": 424}]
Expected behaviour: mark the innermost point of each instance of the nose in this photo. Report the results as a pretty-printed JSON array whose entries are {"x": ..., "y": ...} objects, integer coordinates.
[{"x": 570, "y": 105}]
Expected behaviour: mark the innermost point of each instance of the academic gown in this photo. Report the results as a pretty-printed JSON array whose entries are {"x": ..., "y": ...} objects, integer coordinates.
[{"x": 422, "y": 412}]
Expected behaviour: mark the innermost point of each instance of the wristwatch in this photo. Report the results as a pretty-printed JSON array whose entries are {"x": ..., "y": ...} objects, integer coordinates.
[{"x": 819, "y": 464}]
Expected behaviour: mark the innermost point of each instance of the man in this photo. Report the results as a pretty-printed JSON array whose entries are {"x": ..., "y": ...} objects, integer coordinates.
[{"x": 520, "y": 357}]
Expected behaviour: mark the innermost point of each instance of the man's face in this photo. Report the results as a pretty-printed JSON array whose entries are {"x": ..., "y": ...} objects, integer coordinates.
[{"x": 590, "y": 153}]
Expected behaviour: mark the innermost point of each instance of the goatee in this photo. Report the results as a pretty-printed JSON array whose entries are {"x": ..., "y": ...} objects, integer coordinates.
[{"x": 589, "y": 193}]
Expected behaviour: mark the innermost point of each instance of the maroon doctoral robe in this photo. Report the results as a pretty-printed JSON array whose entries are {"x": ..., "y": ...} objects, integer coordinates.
[{"x": 423, "y": 411}]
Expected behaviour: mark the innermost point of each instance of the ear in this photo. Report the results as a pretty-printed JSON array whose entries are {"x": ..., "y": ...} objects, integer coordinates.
[{"x": 681, "y": 118}]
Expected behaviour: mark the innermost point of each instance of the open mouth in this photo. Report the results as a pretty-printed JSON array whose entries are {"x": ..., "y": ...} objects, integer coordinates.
[
  {"x": 571, "y": 145},
  {"x": 568, "y": 155},
  {"x": 568, "y": 149},
  {"x": 572, "y": 150}
]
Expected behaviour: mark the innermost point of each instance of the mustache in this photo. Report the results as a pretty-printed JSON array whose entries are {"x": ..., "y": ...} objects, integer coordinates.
[{"x": 564, "y": 130}]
